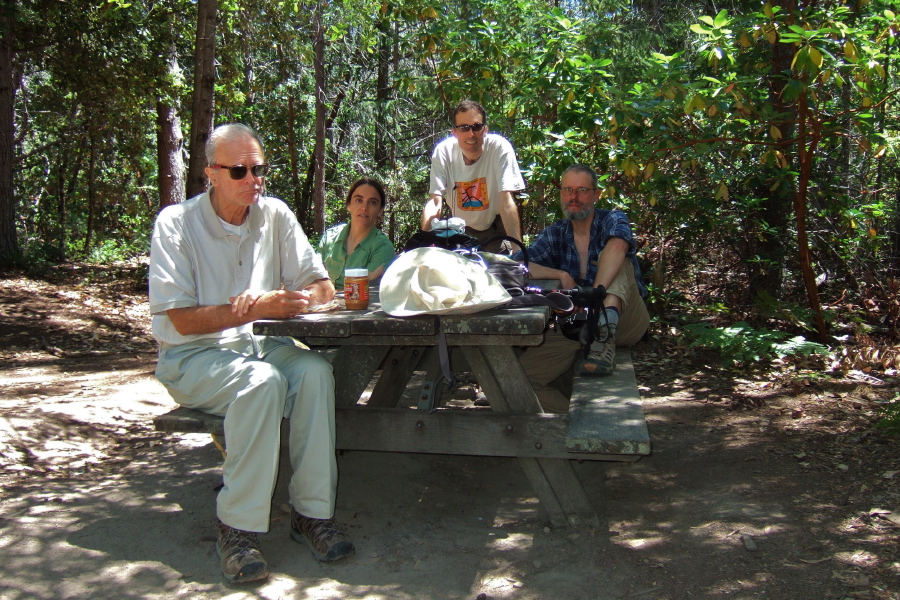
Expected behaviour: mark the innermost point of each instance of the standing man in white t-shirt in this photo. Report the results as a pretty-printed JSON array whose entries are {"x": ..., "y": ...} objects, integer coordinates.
[{"x": 476, "y": 173}]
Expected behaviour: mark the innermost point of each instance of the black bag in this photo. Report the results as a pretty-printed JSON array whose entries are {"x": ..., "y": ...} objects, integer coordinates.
[
  {"x": 442, "y": 238},
  {"x": 512, "y": 274}
]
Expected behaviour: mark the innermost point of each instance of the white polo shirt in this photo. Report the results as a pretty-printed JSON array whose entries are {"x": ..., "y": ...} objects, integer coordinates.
[{"x": 195, "y": 261}]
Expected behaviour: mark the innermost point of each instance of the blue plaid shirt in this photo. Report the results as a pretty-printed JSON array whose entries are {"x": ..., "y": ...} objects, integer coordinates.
[{"x": 555, "y": 246}]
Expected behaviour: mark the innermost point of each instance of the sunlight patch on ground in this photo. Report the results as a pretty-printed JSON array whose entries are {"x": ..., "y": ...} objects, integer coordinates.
[
  {"x": 516, "y": 511},
  {"x": 859, "y": 558},
  {"x": 27, "y": 375},
  {"x": 513, "y": 541},
  {"x": 193, "y": 440},
  {"x": 498, "y": 586},
  {"x": 728, "y": 588},
  {"x": 638, "y": 535},
  {"x": 334, "y": 590},
  {"x": 640, "y": 543}
]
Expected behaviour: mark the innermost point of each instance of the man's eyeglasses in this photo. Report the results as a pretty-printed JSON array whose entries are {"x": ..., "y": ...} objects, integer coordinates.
[
  {"x": 476, "y": 127},
  {"x": 579, "y": 190},
  {"x": 240, "y": 171}
]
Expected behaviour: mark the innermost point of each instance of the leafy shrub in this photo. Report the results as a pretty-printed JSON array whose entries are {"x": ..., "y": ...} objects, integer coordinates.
[
  {"x": 37, "y": 252},
  {"x": 792, "y": 314},
  {"x": 744, "y": 344},
  {"x": 890, "y": 417},
  {"x": 111, "y": 251}
]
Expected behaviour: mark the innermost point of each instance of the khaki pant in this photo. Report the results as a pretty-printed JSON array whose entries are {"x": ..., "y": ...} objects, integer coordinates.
[
  {"x": 255, "y": 382},
  {"x": 554, "y": 357}
]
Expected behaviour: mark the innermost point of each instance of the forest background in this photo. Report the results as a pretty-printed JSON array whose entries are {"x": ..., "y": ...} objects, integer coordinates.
[{"x": 753, "y": 145}]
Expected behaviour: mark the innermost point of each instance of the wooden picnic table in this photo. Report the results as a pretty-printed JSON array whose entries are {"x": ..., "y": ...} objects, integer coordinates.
[{"x": 370, "y": 340}]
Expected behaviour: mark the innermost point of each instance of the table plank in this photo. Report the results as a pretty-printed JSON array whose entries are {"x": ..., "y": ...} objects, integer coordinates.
[
  {"x": 471, "y": 432},
  {"x": 425, "y": 340},
  {"x": 378, "y": 432},
  {"x": 606, "y": 414},
  {"x": 381, "y": 324},
  {"x": 331, "y": 325},
  {"x": 498, "y": 322},
  {"x": 342, "y": 324}
]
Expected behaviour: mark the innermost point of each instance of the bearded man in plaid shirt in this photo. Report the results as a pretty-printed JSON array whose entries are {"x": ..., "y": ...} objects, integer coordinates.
[{"x": 590, "y": 247}]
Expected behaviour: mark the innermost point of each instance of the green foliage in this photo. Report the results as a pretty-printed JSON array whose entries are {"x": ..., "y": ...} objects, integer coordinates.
[
  {"x": 110, "y": 251},
  {"x": 786, "y": 312},
  {"x": 742, "y": 343},
  {"x": 694, "y": 122},
  {"x": 889, "y": 420}
]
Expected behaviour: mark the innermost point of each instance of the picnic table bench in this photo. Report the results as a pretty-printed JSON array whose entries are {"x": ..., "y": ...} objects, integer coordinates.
[{"x": 605, "y": 419}]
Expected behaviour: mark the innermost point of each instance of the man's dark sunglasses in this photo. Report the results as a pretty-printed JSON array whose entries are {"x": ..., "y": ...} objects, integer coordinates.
[
  {"x": 240, "y": 171},
  {"x": 476, "y": 127}
]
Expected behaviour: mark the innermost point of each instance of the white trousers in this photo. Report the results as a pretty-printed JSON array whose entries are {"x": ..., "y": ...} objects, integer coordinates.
[{"x": 254, "y": 382}]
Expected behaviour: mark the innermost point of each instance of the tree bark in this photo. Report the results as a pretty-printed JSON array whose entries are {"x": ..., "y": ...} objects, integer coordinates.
[
  {"x": 308, "y": 188},
  {"x": 319, "y": 152},
  {"x": 9, "y": 243},
  {"x": 805, "y": 156},
  {"x": 767, "y": 274},
  {"x": 92, "y": 164},
  {"x": 169, "y": 138},
  {"x": 292, "y": 142},
  {"x": 169, "y": 146},
  {"x": 202, "y": 110},
  {"x": 61, "y": 168},
  {"x": 382, "y": 95}
]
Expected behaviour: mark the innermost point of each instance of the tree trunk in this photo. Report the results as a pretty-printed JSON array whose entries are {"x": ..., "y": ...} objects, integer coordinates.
[
  {"x": 894, "y": 260},
  {"x": 9, "y": 243},
  {"x": 61, "y": 169},
  {"x": 308, "y": 188},
  {"x": 382, "y": 95},
  {"x": 292, "y": 154},
  {"x": 92, "y": 164},
  {"x": 169, "y": 146},
  {"x": 292, "y": 144},
  {"x": 805, "y": 158},
  {"x": 204, "y": 87},
  {"x": 767, "y": 274},
  {"x": 319, "y": 152},
  {"x": 68, "y": 191}
]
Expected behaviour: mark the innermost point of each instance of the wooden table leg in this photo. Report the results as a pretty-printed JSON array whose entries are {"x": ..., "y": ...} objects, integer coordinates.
[
  {"x": 353, "y": 368},
  {"x": 398, "y": 368},
  {"x": 508, "y": 390}
]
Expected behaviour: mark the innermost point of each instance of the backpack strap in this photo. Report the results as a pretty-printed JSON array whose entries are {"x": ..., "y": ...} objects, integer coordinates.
[
  {"x": 558, "y": 302},
  {"x": 509, "y": 238}
]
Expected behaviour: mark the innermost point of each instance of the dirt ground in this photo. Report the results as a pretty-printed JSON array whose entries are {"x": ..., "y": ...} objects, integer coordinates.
[{"x": 771, "y": 484}]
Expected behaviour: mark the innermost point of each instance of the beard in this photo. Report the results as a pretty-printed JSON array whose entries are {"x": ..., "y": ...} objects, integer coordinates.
[{"x": 580, "y": 215}]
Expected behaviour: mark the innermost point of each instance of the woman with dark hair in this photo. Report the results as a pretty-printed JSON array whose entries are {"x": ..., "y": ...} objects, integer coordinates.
[{"x": 359, "y": 245}]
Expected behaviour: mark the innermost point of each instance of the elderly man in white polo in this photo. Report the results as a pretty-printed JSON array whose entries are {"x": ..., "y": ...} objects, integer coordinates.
[{"x": 219, "y": 262}]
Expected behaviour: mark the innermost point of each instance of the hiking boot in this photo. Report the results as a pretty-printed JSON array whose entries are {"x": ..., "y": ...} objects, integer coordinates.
[
  {"x": 242, "y": 560},
  {"x": 323, "y": 537},
  {"x": 600, "y": 361}
]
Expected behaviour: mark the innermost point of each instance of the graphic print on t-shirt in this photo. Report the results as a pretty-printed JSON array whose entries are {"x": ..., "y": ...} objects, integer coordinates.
[{"x": 472, "y": 195}]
